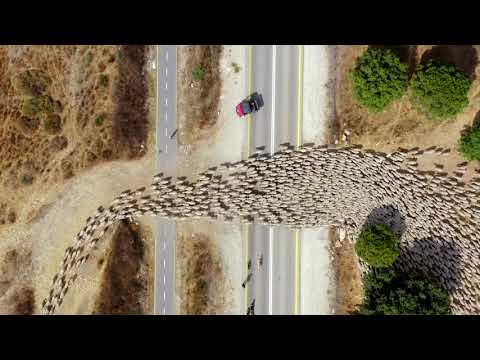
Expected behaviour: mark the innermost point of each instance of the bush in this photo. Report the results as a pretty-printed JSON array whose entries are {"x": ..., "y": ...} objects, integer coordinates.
[
  {"x": 378, "y": 246},
  {"x": 391, "y": 292},
  {"x": 37, "y": 106},
  {"x": 104, "y": 80},
  {"x": 469, "y": 144},
  {"x": 32, "y": 83},
  {"x": 99, "y": 120},
  {"x": 236, "y": 67},
  {"x": 53, "y": 124},
  {"x": 88, "y": 58},
  {"x": 198, "y": 73},
  {"x": 27, "y": 179},
  {"x": 439, "y": 90},
  {"x": 378, "y": 79}
]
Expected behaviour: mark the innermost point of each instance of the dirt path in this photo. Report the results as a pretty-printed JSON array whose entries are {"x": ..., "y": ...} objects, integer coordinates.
[{"x": 224, "y": 141}]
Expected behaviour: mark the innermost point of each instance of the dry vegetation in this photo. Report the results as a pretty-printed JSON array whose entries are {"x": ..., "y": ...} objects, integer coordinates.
[
  {"x": 16, "y": 294},
  {"x": 124, "y": 286},
  {"x": 199, "y": 91},
  {"x": 201, "y": 288},
  {"x": 65, "y": 109},
  {"x": 400, "y": 125},
  {"x": 50, "y": 97},
  {"x": 348, "y": 277}
]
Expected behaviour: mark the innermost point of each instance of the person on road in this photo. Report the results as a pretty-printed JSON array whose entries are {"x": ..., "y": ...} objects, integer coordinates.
[
  {"x": 260, "y": 262},
  {"x": 251, "y": 308},
  {"x": 247, "y": 280}
]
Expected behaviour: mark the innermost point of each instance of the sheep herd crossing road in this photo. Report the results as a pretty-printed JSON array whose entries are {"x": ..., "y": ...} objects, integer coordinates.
[{"x": 435, "y": 213}]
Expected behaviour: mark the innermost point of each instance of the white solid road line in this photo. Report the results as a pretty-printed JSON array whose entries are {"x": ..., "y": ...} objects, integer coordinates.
[{"x": 272, "y": 150}]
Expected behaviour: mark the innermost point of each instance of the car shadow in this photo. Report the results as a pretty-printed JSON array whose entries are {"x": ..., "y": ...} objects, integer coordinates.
[
  {"x": 464, "y": 57},
  {"x": 406, "y": 53}
]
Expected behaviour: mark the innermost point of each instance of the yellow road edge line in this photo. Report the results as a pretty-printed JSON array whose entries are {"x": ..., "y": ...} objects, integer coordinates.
[
  {"x": 296, "y": 309},
  {"x": 245, "y": 292},
  {"x": 300, "y": 96},
  {"x": 299, "y": 142}
]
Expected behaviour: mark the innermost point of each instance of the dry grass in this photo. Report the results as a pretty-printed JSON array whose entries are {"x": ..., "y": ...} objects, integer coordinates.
[
  {"x": 50, "y": 97},
  {"x": 124, "y": 285},
  {"x": 199, "y": 92},
  {"x": 348, "y": 276},
  {"x": 401, "y": 125},
  {"x": 202, "y": 276}
]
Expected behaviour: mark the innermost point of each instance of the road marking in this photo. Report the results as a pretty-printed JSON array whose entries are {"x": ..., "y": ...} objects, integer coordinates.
[
  {"x": 166, "y": 72},
  {"x": 300, "y": 95},
  {"x": 249, "y": 116},
  {"x": 296, "y": 309},
  {"x": 166, "y": 133},
  {"x": 166, "y": 148},
  {"x": 166, "y": 85},
  {"x": 166, "y": 116},
  {"x": 166, "y": 101},
  {"x": 245, "y": 292},
  {"x": 270, "y": 270},
  {"x": 272, "y": 123},
  {"x": 166, "y": 56},
  {"x": 296, "y": 295}
]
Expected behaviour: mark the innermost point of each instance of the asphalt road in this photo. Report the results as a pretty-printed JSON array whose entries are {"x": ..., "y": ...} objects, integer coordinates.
[
  {"x": 165, "y": 234},
  {"x": 275, "y": 73}
]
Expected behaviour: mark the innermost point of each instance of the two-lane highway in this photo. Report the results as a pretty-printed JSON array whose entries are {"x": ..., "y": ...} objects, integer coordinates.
[
  {"x": 165, "y": 234},
  {"x": 276, "y": 73}
]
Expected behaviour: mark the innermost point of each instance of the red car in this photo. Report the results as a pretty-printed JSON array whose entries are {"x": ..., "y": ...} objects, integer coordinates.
[{"x": 251, "y": 104}]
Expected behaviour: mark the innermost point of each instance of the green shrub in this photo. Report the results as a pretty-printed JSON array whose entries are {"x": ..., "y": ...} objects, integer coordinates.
[
  {"x": 439, "y": 90},
  {"x": 236, "y": 67},
  {"x": 469, "y": 144},
  {"x": 104, "y": 80},
  {"x": 37, "y": 106},
  {"x": 378, "y": 246},
  {"x": 88, "y": 58},
  {"x": 99, "y": 120},
  {"x": 391, "y": 292},
  {"x": 27, "y": 179},
  {"x": 198, "y": 73},
  {"x": 53, "y": 124},
  {"x": 378, "y": 79},
  {"x": 32, "y": 82}
]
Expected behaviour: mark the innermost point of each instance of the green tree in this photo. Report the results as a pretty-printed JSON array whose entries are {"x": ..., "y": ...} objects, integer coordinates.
[
  {"x": 391, "y": 292},
  {"x": 378, "y": 79},
  {"x": 440, "y": 90},
  {"x": 469, "y": 144},
  {"x": 378, "y": 246}
]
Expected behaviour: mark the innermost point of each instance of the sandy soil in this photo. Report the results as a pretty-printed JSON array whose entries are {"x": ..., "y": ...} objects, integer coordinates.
[
  {"x": 224, "y": 142},
  {"x": 319, "y": 93},
  {"x": 55, "y": 208},
  {"x": 348, "y": 275},
  {"x": 317, "y": 285}
]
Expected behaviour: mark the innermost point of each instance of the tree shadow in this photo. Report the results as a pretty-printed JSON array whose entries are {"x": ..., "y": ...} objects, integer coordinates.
[
  {"x": 406, "y": 53},
  {"x": 439, "y": 260},
  {"x": 389, "y": 216},
  {"x": 464, "y": 57}
]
